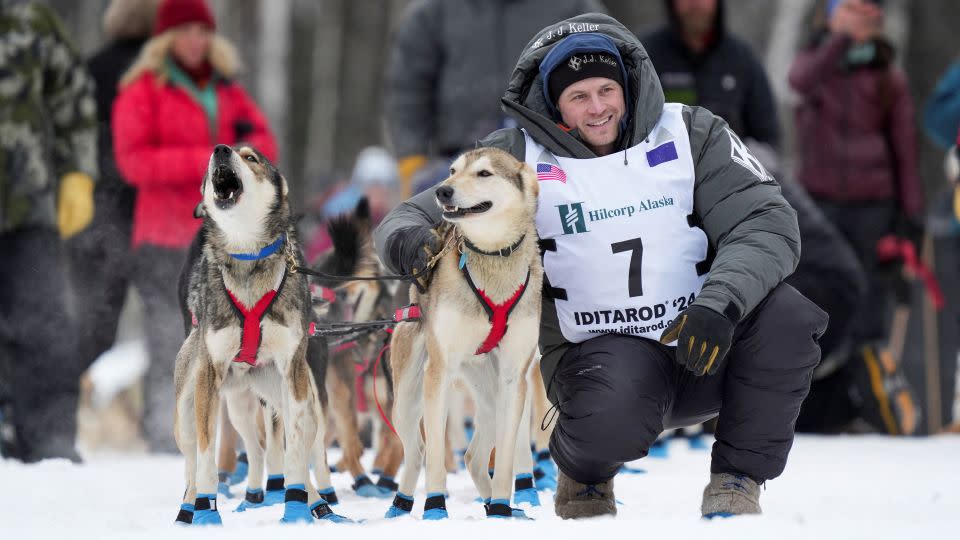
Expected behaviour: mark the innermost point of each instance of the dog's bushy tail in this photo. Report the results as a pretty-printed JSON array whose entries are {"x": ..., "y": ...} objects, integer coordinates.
[{"x": 347, "y": 233}]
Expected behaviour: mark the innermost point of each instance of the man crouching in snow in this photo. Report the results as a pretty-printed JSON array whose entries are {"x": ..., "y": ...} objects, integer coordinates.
[{"x": 665, "y": 244}]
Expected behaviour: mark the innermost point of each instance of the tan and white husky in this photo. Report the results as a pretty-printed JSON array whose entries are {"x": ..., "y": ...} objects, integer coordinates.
[{"x": 479, "y": 323}]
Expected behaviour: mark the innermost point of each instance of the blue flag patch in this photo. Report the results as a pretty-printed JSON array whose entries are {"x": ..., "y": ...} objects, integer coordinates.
[{"x": 662, "y": 154}]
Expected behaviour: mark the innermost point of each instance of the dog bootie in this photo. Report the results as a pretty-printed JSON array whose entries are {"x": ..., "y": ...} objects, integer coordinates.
[
  {"x": 321, "y": 511},
  {"x": 500, "y": 509},
  {"x": 330, "y": 495},
  {"x": 524, "y": 492},
  {"x": 435, "y": 507},
  {"x": 223, "y": 485},
  {"x": 185, "y": 516},
  {"x": 257, "y": 497},
  {"x": 295, "y": 509},
  {"x": 365, "y": 488},
  {"x": 387, "y": 484},
  {"x": 730, "y": 495},
  {"x": 239, "y": 473},
  {"x": 275, "y": 493},
  {"x": 575, "y": 500},
  {"x": 544, "y": 471},
  {"x": 205, "y": 510},
  {"x": 698, "y": 442},
  {"x": 402, "y": 505},
  {"x": 624, "y": 469},
  {"x": 659, "y": 449}
]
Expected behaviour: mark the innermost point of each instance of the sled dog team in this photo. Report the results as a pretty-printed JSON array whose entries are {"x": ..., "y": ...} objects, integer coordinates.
[{"x": 250, "y": 347}]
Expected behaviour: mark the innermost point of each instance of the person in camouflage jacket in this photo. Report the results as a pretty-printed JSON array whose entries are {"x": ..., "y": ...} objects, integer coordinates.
[
  {"x": 48, "y": 161},
  {"x": 47, "y": 122}
]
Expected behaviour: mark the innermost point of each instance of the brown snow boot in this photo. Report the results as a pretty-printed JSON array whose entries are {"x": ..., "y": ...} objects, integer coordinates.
[
  {"x": 575, "y": 500},
  {"x": 730, "y": 495}
]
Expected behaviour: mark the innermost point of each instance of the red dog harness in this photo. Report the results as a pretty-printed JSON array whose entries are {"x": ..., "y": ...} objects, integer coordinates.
[
  {"x": 252, "y": 318},
  {"x": 497, "y": 313}
]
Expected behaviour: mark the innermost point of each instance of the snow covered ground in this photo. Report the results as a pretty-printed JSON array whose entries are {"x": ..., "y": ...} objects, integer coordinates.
[{"x": 843, "y": 488}]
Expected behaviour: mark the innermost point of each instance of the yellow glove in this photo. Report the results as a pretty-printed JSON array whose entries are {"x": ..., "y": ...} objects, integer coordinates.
[
  {"x": 74, "y": 204},
  {"x": 407, "y": 167}
]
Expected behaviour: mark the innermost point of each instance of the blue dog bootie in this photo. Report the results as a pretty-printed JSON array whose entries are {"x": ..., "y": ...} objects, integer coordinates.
[
  {"x": 660, "y": 448},
  {"x": 252, "y": 499},
  {"x": 365, "y": 488},
  {"x": 402, "y": 506},
  {"x": 223, "y": 484},
  {"x": 500, "y": 509},
  {"x": 205, "y": 510},
  {"x": 330, "y": 495},
  {"x": 275, "y": 490},
  {"x": 387, "y": 484},
  {"x": 257, "y": 497},
  {"x": 544, "y": 471},
  {"x": 239, "y": 473},
  {"x": 625, "y": 469},
  {"x": 321, "y": 511},
  {"x": 523, "y": 490},
  {"x": 185, "y": 515},
  {"x": 295, "y": 509},
  {"x": 435, "y": 507}
]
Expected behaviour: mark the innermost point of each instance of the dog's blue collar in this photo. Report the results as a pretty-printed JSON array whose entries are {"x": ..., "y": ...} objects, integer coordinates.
[{"x": 263, "y": 253}]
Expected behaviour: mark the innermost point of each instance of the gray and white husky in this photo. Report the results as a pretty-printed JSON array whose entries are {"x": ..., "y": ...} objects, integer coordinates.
[{"x": 248, "y": 339}]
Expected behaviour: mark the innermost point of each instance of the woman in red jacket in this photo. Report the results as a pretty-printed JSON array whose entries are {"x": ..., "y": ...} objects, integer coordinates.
[
  {"x": 856, "y": 139},
  {"x": 175, "y": 104}
]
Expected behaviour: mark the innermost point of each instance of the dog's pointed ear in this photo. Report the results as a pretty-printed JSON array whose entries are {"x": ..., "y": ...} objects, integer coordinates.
[{"x": 528, "y": 178}]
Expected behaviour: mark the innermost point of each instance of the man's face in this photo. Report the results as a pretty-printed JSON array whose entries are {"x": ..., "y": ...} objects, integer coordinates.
[
  {"x": 594, "y": 106},
  {"x": 696, "y": 16},
  {"x": 191, "y": 44}
]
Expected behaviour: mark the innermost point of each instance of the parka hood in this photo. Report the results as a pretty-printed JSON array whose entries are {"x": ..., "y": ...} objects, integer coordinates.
[{"x": 524, "y": 99}]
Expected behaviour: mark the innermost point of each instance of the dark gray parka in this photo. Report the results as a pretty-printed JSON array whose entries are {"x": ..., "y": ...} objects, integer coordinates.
[{"x": 752, "y": 230}]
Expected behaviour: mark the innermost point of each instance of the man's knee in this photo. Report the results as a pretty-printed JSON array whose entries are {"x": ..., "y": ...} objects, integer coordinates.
[
  {"x": 615, "y": 428},
  {"x": 783, "y": 332},
  {"x": 612, "y": 397}
]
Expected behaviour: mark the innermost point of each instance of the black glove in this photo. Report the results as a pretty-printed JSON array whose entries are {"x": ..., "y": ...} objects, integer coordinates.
[
  {"x": 412, "y": 249},
  {"x": 704, "y": 339}
]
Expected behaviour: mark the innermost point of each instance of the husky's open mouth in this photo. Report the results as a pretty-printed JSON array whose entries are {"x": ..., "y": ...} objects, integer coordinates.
[
  {"x": 450, "y": 211},
  {"x": 227, "y": 187}
]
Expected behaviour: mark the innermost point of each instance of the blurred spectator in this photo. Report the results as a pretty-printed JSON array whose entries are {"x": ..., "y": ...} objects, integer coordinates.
[
  {"x": 48, "y": 160},
  {"x": 375, "y": 177},
  {"x": 701, "y": 63},
  {"x": 175, "y": 104},
  {"x": 100, "y": 255},
  {"x": 857, "y": 142},
  {"x": 942, "y": 116},
  {"x": 447, "y": 69},
  {"x": 942, "y": 120}
]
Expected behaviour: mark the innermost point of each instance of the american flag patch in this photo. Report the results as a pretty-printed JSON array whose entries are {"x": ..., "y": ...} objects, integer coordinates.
[{"x": 549, "y": 171}]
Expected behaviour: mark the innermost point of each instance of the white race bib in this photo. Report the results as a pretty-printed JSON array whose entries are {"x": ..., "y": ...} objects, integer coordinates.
[{"x": 620, "y": 253}]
